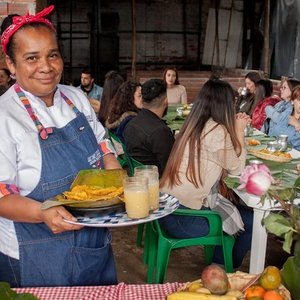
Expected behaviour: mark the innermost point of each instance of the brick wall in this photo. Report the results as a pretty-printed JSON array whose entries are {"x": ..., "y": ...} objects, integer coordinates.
[
  {"x": 15, "y": 7},
  {"x": 194, "y": 80}
]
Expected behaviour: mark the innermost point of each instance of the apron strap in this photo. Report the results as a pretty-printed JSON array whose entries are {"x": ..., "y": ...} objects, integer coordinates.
[{"x": 43, "y": 132}]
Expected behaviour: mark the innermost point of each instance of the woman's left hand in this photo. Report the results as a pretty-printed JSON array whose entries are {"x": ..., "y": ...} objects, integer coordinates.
[{"x": 54, "y": 218}]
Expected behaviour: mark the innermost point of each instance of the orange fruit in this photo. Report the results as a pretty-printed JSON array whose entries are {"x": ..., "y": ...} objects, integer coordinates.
[
  {"x": 254, "y": 291},
  {"x": 270, "y": 278},
  {"x": 272, "y": 295}
]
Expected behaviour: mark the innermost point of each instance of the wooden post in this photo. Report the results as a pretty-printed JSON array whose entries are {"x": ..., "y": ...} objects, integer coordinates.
[
  {"x": 267, "y": 39},
  {"x": 217, "y": 46},
  {"x": 133, "y": 40}
]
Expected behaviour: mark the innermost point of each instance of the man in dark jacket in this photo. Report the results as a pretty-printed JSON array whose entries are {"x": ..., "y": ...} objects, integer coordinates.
[{"x": 148, "y": 139}]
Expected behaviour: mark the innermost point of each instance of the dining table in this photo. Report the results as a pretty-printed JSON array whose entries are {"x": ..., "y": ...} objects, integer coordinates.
[
  {"x": 173, "y": 118},
  {"x": 262, "y": 208},
  {"x": 121, "y": 291}
]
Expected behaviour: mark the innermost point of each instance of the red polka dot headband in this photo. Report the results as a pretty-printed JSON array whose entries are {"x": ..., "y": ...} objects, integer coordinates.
[{"x": 19, "y": 21}]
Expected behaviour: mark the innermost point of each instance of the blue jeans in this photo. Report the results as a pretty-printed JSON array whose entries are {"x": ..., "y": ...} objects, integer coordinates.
[
  {"x": 9, "y": 270},
  {"x": 190, "y": 227}
]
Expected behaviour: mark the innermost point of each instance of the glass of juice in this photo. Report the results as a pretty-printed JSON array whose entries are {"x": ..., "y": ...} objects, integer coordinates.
[
  {"x": 150, "y": 172},
  {"x": 136, "y": 197}
]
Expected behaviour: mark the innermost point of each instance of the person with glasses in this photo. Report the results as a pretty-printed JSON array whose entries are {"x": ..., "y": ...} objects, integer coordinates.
[
  {"x": 288, "y": 122},
  {"x": 273, "y": 113}
]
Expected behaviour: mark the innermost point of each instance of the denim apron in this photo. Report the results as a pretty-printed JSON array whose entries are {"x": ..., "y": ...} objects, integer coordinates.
[{"x": 80, "y": 257}]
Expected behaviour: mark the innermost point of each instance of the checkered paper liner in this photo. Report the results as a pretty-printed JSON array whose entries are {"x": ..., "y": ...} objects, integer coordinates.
[
  {"x": 121, "y": 291},
  {"x": 167, "y": 205}
]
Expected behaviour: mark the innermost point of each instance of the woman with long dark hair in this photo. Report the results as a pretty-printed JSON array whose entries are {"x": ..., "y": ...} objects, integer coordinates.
[
  {"x": 246, "y": 103},
  {"x": 176, "y": 92},
  {"x": 263, "y": 98},
  {"x": 210, "y": 142},
  {"x": 124, "y": 106},
  {"x": 111, "y": 84}
]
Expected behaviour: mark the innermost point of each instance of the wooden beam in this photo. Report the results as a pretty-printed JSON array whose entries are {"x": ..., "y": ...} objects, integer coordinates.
[
  {"x": 267, "y": 39},
  {"x": 133, "y": 40}
]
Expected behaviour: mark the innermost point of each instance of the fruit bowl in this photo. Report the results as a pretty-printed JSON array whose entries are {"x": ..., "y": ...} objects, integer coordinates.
[{"x": 238, "y": 281}]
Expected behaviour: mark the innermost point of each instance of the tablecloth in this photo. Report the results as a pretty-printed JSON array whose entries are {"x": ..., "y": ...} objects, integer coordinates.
[{"x": 121, "y": 291}]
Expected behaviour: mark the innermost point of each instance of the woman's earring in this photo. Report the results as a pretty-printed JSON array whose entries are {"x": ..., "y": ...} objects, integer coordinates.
[{"x": 12, "y": 76}]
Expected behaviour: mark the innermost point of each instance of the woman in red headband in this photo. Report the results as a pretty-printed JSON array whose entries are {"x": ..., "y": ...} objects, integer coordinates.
[{"x": 48, "y": 133}]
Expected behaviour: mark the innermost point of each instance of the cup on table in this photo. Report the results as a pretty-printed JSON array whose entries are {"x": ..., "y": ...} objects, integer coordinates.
[
  {"x": 136, "y": 197},
  {"x": 282, "y": 141},
  {"x": 150, "y": 172}
]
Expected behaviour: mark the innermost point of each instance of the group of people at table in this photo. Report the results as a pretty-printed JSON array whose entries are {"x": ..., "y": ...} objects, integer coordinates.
[{"x": 50, "y": 131}]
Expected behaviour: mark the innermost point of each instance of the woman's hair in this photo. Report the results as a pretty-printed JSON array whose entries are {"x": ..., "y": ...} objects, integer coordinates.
[
  {"x": 295, "y": 93},
  {"x": 111, "y": 84},
  {"x": 264, "y": 89},
  {"x": 216, "y": 101},
  {"x": 176, "y": 72},
  {"x": 292, "y": 83},
  {"x": 253, "y": 76},
  {"x": 11, "y": 46},
  {"x": 123, "y": 101}
]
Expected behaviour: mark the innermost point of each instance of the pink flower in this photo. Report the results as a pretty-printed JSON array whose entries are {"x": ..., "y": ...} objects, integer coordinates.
[{"x": 256, "y": 179}]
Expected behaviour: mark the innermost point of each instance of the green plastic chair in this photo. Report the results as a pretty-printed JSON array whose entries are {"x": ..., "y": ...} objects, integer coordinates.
[
  {"x": 158, "y": 245},
  {"x": 125, "y": 160}
]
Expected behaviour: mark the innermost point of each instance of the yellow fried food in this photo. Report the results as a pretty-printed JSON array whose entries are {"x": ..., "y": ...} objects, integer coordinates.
[
  {"x": 276, "y": 153},
  {"x": 88, "y": 193},
  {"x": 253, "y": 142}
]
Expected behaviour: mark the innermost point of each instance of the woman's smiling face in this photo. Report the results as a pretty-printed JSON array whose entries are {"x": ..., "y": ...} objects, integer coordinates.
[{"x": 38, "y": 64}]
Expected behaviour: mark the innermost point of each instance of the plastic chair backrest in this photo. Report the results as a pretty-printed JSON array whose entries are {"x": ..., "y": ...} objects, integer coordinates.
[{"x": 127, "y": 160}]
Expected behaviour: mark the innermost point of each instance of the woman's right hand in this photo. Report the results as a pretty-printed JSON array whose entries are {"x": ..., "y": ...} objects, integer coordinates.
[
  {"x": 242, "y": 119},
  {"x": 54, "y": 218}
]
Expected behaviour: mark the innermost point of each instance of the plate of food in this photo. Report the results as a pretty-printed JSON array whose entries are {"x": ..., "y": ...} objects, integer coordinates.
[
  {"x": 184, "y": 110},
  {"x": 92, "y": 191},
  {"x": 278, "y": 156},
  {"x": 252, "y": 142}
]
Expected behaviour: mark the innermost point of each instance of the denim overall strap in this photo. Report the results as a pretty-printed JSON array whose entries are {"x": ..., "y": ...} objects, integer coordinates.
[{"x": 81, "y": 257}]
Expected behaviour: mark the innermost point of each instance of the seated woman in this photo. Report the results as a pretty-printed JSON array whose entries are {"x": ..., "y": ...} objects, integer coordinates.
[
  {"x": 123, "y": 107},
  {"x": 263, "y": 98},
  {"x": 274, "y": 112},
  {"x": 289, "y": 121},
  {"x": 246, "y": 103},
  {"x": 5, "y": 80},
  {"x": 176, "y": 93},
  {"x": 210, "y": 142},
  {"x": 112, "y": 82}
]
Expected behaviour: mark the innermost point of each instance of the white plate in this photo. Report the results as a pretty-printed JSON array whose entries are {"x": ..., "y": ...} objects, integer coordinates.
[{"x": 166, "y": 206}]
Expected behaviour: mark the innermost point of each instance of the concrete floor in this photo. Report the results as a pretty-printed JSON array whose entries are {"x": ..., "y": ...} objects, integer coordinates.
[{"x": 185, "y": 264}]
